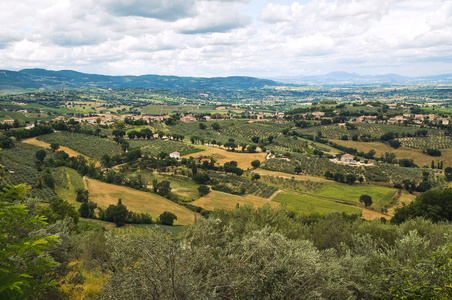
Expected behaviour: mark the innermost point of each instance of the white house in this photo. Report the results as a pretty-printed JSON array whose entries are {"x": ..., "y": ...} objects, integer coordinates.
[
  {"x": 175, "y": 154},
  {"x": 347, "y": 158}
]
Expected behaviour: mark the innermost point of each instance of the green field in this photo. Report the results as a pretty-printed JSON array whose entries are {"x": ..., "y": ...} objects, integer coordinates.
[
  {"x": 381, "y": 196},
  {"x": 309, "y": 204},
  {"x": 70, "y": 182}
]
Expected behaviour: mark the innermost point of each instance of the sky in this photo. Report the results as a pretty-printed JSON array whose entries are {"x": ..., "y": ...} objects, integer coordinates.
[{"x": 206, "y": 38}]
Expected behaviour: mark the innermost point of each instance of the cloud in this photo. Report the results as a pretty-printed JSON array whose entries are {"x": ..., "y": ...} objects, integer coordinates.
[{"x": 167, "y": 10}]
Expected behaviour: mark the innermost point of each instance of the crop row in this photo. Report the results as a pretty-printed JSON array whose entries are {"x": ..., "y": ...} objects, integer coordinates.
[
  {"x": 88, "y": 145},
  {"x": 429, "y": 142},
  {"x": 243, "y": 185}
]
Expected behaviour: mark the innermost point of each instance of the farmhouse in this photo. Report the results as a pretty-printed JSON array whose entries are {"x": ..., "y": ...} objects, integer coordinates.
[
  {"x": 10, "y": 122},
  {"x": 347, "y": 158},
  {"x": 175, "y": 155}
]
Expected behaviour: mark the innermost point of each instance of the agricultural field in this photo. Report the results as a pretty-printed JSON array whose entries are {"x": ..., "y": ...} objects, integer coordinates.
[
  {"x": 67, "y": 182},
  {"x": 240, "y": 185},
  {"x": 222, "y": 156},
  {"x": 375, "y": 131},
  {"x": 417, "y": 155},
  {"x": 217, "y": 199},
  {"x": 428, "y": 142},
  {"x": 105, "y": 194},
  {"x": 155, "y": 146},
  {"x": 88, "y": 145},
  {"x": 20, "y": 167},
  {"x": 182, "y": 186},
  {"x": 42, "y": 144},
  {"x": 381, "y": 196},
  {"x": 158, "y": 110},
  {"x": 308, "y": 204},
  {"x": 314, "y": 166}
]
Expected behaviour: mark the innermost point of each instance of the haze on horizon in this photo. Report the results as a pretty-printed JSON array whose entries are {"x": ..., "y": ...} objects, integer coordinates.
[{"x": 261, "y": 38}]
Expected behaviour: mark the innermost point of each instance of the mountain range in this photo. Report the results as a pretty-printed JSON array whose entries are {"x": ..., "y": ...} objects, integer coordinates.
[{"x": 41, "y": 79}]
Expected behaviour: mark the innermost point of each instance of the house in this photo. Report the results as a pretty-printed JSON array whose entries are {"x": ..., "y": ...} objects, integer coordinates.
[
  {"x": 175, "y": 154},
  {"x": 10, "y": 122},
  {"x": 347, "y": 158}
]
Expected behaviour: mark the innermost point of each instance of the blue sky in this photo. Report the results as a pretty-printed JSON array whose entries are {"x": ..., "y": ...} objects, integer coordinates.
[{"x": 262, "y": 38}]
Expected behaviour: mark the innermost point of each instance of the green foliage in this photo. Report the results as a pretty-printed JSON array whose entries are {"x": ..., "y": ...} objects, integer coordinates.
[
  {"x": 435, "y": 205},
  {"x": 24, "y": 259},
  {"x": 255, "y": 163},
  {"x": 167, "y": 218},
  {"x": 40, "y": 155},
  {"x": 203, "y": 190},
  {"x": 366, "y": 199},
  {"x": 117, "y": 214}
]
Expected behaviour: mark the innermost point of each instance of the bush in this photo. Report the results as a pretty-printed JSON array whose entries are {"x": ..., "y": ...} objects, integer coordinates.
[{"x": 167, "y": 218}]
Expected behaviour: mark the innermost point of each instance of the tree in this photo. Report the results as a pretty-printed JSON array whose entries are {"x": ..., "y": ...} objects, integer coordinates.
[
  {"x": 25, "y": 259},
  {"x": 215, "y": 126},
  {"x": 163, "y": 188},
  {"x": 203, "y": 190},
  {"x": 255, "y": 139},
  {"x": 40, "y": 155},
  {"x": 82, "y": 195},
  {"x": 366, "y": 199},
  {"x": 117, "y": 213},
  {"x": 167, "y": 218},
  {"x": 125, "y": 146},
  {"x": 255, "y": 176},
  {"x": 201, "y": 177},
  {"x": 202, "y": 126},
  {"x": 298, "y": 169},
  {"x": 255, "y": 163},
  {"x": 350, "y": 178},
  {"x": 54, "y": 146},
  {"x": 435, "y": 205}
]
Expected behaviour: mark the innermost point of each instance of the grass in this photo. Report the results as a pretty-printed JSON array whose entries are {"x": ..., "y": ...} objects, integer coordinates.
[
  {"x": 74, "y": 181},
  {"x": 381, "y": 196},
  {"x": 216, "y": 199},
  {"x": 309, "y": 204},
  {"x": 105, "y": 194},
  {"x": 186, "y": 189}
]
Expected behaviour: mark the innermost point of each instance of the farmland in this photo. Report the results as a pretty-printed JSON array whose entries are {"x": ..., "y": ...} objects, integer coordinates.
[
  {"x": 216, "y": 199},
  {"x": 309, "y": 204},
  {"x": 417, "y": 155},
  {"x": 222, "y": 156},
  {"x": 105, "y": 194}
]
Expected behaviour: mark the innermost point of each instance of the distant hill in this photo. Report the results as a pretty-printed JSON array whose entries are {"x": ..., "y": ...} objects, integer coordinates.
[
  {"x": 58, "y": 80},
  {"x": 353, "y": 78}
]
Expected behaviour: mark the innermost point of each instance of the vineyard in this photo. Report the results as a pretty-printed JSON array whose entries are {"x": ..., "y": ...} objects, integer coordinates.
[
  {"x": 301, "y": 186},
  {"x": 315, "y": 166},
  {"x": 375, "y": 131},
  {"x": 154, "y": 147},
  {"x": 20, "y": 167},
  {"x": 238, "y": 185},
  {"x": 88, "y": 145},
  {"x": 428, "y": 142}
]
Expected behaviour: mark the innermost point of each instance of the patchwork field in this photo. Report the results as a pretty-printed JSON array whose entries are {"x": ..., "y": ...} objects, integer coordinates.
[
  {"x": 216, "y": 199},
  {"x": 419, "y": 158},
  {"x": 308, "y": 204},
  {"x": 222, "y": 156},
  {"x": 69, "y": 151},
  {"x": 105, "y": 194}
]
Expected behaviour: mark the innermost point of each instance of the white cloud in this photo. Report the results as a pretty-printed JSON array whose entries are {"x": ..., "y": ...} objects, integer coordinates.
[{"x": 227, "y": 37}]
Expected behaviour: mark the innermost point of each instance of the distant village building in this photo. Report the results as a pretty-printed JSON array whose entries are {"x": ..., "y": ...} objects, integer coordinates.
[
  {"x": 347, "y": 158},
  {"x": 188, "y": 118},
  {"x": 175, "y": 155},
  {"x": 10, "y": 122}
]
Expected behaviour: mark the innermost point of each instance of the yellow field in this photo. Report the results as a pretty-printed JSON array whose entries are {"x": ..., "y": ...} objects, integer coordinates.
[
  {"x": 289, "y": 176},
  {"x": 419, "y": 158},
  {"x": 216, "y": 199},
  {"x": 105, "y": 194},
  {"x": 69, "y": 151},
  {"x": 222, "y": 156}
]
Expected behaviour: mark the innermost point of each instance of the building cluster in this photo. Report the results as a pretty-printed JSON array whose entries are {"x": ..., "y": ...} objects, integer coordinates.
[
  {"x": 406, "y": 118},
  {"x": 105, "y": 119}
]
